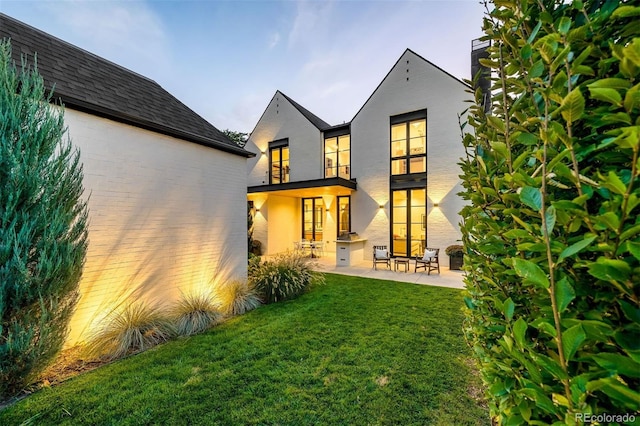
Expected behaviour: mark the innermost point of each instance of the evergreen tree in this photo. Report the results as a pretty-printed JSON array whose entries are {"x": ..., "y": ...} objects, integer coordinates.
[{"x": 43, "y": 222}]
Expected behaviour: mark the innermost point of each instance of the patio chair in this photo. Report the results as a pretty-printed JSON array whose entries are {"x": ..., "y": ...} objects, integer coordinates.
[
  {"x": 318, "y": 248},
  {"x": 306, "y": 247},
  {"x": 430, "y": 261},
  {"x": 381, "y": 255}
]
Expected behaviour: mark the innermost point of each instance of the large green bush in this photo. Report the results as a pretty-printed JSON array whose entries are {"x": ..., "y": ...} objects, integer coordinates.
[
  {"x": 284, "y": 277},
  {"x": 552, "y": 230},
  {"x": 42, "y": 226}
]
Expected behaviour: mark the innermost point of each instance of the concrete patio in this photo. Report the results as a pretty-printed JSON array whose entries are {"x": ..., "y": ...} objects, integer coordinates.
[{"x": 446, "y": 277}]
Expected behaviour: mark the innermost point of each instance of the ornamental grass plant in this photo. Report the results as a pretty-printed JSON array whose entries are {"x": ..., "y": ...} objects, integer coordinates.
[
  {"x": 237, "y": 297},
  {"x": 195, "y": 313},
  {"x": 285, "y": 277},
  {"x": 136, "y": 328}
]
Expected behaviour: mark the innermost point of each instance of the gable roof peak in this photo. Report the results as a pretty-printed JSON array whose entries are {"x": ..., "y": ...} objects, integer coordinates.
[
  {"x": 396, "y": 64},
  {"x": 314, "y": 119}
]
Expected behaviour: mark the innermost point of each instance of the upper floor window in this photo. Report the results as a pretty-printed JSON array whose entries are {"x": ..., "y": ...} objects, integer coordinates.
[
  {"x": 409, "y": 143},
  {"x": 337, "y": 157},
  {"x": 279, "y": 161}
]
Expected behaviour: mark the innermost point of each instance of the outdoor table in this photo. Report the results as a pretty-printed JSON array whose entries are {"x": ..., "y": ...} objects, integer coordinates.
[{"x": 401, "y": 261}]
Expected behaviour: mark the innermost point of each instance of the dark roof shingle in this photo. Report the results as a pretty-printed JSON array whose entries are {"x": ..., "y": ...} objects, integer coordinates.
[{"x": 86, "y": 82}]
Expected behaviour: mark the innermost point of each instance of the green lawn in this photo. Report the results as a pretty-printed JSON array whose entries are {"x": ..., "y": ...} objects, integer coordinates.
[{"x": 351, "y": 352}]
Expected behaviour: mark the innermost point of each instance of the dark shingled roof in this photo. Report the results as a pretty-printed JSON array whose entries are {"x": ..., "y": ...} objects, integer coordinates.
[
  {"x": 314, "y": 119},
  {"x": 86, "y": 82}
]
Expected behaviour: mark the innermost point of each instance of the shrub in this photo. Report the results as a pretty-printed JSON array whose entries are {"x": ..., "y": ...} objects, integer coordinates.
[
  {"x": 285, "y": 277},
  {"x": 193, "y": 314},
  {"x": 136, "y": 328},
  {"x": 256, "y": 247},
  {"x": 237, "y": 297},
  {"x": 551, "y": 232},
  {"x": 253, "y": 258},
  {"x": 455, "y": 250},
  {"x": 43, "y": 226}
]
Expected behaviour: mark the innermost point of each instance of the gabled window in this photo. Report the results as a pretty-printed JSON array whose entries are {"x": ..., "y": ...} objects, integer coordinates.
[
  {"x": 409, "y": 143},
  {"x": 279, "y": 161},
  {"x": 337, "y": 156}
]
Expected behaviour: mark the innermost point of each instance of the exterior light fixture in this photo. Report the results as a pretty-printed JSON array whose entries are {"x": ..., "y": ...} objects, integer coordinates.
[
  {"x": 436, "y": 205},
  {"x": 257, "y": 210},
  {"x": 381, "y": 206}
]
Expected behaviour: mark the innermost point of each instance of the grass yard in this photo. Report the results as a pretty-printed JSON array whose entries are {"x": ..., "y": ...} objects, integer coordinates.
[{"x": 352, "y": 352}]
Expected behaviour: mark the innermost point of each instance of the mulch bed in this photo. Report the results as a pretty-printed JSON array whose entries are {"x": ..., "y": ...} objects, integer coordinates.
[{"x": 69, "y": 363}]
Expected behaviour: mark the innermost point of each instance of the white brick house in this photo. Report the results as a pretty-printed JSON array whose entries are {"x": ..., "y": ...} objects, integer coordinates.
[
  {"x": 390, "y": 174},
  {"x": 166, "y": 189}
]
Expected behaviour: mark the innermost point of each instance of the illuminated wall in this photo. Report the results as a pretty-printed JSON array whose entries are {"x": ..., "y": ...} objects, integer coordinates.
[
  {"x": 278, "y": 223},
  {"x": 283, "y": 217},
  {"x": 282, "y": 120},
  {"x": 165, "y": 216},
  {"x": 412, "y": 84}
]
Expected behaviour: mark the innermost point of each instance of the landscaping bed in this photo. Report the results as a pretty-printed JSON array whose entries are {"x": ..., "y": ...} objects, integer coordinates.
[{"x": 353, "y": 351}]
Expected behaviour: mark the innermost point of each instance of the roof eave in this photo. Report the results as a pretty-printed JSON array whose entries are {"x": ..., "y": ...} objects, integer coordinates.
[{"x": 88, "y": 107}]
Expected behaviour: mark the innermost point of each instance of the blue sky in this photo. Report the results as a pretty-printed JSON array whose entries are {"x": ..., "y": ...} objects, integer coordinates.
[{"x": 226, "y": 59}]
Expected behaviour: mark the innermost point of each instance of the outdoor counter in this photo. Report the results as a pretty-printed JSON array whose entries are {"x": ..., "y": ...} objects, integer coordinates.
[{"x": 349, "y": 252}]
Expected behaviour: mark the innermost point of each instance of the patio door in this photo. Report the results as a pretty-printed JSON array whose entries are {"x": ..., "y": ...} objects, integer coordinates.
[
  {"x": 312, "y": 218},
  {"x": 409, "y": 221}
]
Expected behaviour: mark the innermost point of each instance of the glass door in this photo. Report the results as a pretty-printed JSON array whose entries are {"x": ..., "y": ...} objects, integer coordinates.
[
  {"x": 344, "y": 214},
  {"x": 409, "y": 222},
  {"x": 312, "y": 218}
]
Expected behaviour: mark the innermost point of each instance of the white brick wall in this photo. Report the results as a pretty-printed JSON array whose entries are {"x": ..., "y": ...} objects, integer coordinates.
[
  {"x": 279, "y": 223},
  {"x": 282, "y": 120},
  {"x": 411, "y": 85},
  {"x": 166, "y": 216}
]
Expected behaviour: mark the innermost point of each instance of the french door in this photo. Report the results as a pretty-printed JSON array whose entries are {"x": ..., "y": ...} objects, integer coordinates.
[
  {"x": 409, "y": 221},
  {"x": 312, "y": 218}
]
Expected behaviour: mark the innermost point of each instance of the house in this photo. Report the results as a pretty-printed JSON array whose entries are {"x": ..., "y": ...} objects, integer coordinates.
[
  {"x": 390, "y": 174},
  {"x": 166, "y": 190}
]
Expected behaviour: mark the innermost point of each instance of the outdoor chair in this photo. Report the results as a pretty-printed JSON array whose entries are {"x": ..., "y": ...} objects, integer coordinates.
[
  {"x": 317, "y": 248},
  {"x": 430, "y": 261},
  {"x": 381, "y": 255}
]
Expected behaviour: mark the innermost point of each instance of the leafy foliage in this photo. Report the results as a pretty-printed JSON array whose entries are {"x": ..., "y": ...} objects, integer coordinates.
[
  {"x": 552, "y": 229},
  {"x": 240, "y": 138},
  {"x": 193, "y": 314},
  {"x": 135, "y": 328},
  {"x": 285, "y": 277},
  {"x": 43, "y": 222}
]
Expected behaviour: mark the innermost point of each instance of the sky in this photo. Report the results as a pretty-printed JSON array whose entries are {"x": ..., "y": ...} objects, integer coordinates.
[{"x": 225, "y": 59}]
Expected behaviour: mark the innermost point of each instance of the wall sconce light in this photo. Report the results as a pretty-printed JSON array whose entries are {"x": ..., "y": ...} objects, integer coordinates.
[
  {"x": 257, "y": 210},
  {"x": 436, "y": 205},
  {"x": 263, "y": 152},
  {"x": 381, "y": 206}
]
